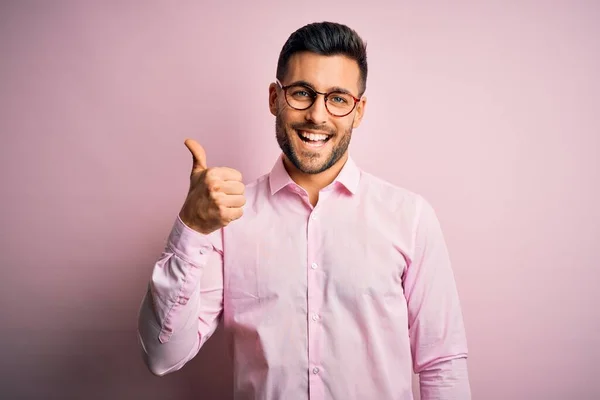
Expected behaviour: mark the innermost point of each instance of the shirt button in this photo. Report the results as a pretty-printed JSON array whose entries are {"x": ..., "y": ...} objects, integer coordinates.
[
  {"x": 315, "y": 317},
  {"x": 315, "y": 370},
  {"x": 183, "y": 301},
  {"x": 314, "y": 266},
  {"x": 313, "y": 216}
]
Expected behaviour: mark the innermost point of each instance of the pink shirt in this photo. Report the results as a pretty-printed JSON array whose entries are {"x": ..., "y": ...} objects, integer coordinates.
[{"x": 339, "y": 301}]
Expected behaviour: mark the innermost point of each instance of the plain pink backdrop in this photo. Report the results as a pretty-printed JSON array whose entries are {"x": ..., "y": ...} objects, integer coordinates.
[{"x": 489, "y": 111}]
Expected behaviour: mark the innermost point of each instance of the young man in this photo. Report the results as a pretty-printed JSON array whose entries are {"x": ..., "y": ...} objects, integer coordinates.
[{"x": 333, "y": 284}]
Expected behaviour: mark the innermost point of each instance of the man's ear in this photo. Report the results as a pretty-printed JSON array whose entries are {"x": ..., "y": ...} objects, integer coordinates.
[
  {"x": 360, "y": 112},
  {"x": 273, "y": 98}
]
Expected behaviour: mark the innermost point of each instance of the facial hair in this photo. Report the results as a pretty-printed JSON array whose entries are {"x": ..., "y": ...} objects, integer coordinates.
[{"x": 283, "y": 135}]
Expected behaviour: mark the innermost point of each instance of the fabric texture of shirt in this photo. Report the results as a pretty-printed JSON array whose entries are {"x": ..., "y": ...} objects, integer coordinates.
[{"x": 341, "y": 301}]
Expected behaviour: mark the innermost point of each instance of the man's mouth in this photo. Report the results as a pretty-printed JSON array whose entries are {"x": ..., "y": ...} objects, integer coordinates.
[{"x": 313, "y": 138}]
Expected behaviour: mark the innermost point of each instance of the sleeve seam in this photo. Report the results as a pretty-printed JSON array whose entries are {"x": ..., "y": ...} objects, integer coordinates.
[{"x": 419, "y": 221}]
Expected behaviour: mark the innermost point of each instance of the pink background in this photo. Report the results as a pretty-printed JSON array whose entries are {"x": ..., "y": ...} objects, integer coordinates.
[{"x": 489, "y": 111}]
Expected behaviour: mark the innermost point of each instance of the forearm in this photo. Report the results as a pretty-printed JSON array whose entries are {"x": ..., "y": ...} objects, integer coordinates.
[
  {"x": 184, "y": 300},
  {"x": 183, "y": 344},
  {"x": 447, "y": 380},
  {"x": 437, "y": 332}
]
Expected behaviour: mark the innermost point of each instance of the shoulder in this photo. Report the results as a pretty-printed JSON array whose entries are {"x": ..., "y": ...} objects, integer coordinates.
[
  {"x": 397, "y": 202},
  {"x": 393, "y": 196}
]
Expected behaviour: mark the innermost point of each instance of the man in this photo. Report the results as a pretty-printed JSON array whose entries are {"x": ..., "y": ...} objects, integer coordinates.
[{"x": 333, "y": 284}]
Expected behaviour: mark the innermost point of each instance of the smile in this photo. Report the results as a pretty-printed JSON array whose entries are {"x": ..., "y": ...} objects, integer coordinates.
[{"x": 313, "y": 139}]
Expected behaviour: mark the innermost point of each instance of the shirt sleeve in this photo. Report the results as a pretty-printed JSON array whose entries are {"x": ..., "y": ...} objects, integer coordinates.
[
  {"x": 437, "y": 335},
  {"x": 184, "y": 301}
]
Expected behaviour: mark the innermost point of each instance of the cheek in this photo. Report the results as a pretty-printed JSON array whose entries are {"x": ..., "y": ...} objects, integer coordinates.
[
  {"x": 342, "y": 127},
  {"x": 284, "y": 109},
  {"x": 289, "y": 118},
  {"x": 284, "y": 125}
]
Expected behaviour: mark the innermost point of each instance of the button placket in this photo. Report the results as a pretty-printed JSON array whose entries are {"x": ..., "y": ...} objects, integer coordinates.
[{"x": 314, "y": 302}]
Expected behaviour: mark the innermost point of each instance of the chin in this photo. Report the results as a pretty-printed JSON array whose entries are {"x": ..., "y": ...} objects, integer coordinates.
[
  {"x": 311, "y": 165},
  {"x": 313, "y": 170}
]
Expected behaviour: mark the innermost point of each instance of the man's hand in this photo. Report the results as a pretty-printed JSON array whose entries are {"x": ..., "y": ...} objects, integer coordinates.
[{"x": 216, "y": 195}]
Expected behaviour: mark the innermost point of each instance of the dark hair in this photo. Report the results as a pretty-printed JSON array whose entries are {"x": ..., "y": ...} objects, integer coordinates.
[{"x": 327, "y": 39}]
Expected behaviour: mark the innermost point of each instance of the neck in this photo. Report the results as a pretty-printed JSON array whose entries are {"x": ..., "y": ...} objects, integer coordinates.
[{"x": 313, "y": 183}]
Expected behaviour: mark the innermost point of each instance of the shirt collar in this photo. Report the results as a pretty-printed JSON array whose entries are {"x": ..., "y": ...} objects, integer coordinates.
[{"x": 348, "y": 177}]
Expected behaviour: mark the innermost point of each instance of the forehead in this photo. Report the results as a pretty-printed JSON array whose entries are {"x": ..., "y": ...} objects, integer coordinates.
[{"x": 323, "y": 72}]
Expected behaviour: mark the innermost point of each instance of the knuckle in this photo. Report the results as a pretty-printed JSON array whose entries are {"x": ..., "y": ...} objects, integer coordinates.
[
  {"x": 213, "y": 195},
  {"x": 212, "y": 175},
  {"x": 213, "y": 185}
]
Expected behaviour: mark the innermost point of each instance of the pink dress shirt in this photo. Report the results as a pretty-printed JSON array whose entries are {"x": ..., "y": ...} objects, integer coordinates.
[{"x": 338, "y": 301}]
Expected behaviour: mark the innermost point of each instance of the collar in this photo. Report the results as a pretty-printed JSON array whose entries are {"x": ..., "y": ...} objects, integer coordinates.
[{"x": 348, "y": 177}]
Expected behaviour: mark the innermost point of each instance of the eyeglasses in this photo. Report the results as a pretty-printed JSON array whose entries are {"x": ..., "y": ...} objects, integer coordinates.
[{"x": 302, "y": 97}]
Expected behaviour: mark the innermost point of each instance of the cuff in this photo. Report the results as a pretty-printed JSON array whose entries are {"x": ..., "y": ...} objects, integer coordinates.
[{"x": 188, "y": 243}]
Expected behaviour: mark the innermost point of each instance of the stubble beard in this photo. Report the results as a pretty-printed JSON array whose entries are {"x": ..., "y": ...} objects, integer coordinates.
[{"x": 283, "y": 135}]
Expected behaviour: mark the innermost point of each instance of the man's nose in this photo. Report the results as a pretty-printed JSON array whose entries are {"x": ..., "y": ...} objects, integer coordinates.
[{"x": 317, "y": 113}]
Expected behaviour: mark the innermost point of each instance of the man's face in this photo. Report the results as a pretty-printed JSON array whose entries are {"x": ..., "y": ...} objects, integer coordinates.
[{"x": 295, "y": 128}]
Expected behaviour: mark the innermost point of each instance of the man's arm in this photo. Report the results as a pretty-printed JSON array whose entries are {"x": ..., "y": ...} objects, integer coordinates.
[
  {"x": 436, "y": 328},
  {"x": 184, "y": 301}
]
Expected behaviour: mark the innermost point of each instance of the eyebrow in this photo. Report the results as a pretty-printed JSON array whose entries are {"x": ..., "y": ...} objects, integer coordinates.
[{"x": 331, "y": 89}]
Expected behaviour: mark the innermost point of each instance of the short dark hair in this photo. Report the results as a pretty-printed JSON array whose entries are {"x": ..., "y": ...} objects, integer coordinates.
[{"x": 327, "y": 39}]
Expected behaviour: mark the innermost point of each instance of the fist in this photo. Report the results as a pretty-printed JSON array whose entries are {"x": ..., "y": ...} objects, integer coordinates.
[{"x": 215, "y": 197}]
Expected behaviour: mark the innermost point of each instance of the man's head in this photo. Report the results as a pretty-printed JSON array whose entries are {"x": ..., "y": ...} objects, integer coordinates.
[{"x": 326, "y": 57}]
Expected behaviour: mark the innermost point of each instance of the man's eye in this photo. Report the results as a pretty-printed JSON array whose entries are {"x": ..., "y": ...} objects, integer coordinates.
[
  {"x": 300, "y": 93},
  {"x": 339, "y": 99}
]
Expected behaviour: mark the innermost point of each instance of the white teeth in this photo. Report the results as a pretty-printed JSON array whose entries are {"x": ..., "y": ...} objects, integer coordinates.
[{"x": 313, "y": 136}]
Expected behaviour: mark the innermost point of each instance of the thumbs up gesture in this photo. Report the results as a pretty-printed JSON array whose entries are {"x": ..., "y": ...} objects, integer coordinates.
[{"x": 215, "y": 197}]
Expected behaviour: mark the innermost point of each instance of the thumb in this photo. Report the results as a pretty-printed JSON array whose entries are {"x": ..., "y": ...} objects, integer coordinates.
[{"x": 198, "y": 154}]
